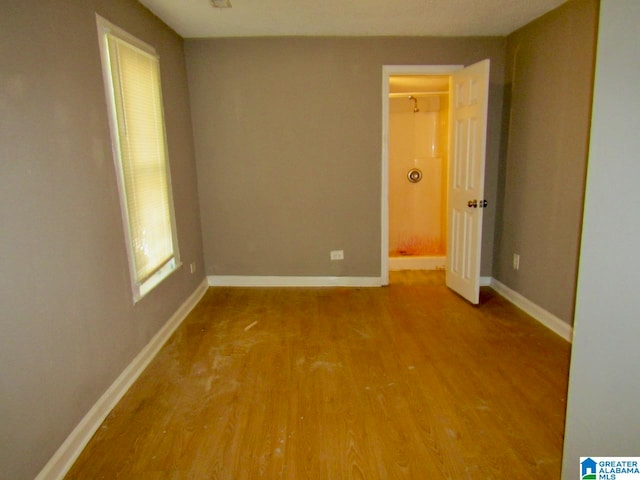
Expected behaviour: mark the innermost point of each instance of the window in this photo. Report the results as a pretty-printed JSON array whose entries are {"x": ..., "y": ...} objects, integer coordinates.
[{"x": 132, "y": 82}]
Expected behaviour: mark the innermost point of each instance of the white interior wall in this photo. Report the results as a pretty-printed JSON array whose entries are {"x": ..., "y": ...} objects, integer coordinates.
[{"x": 604, "y": 380}]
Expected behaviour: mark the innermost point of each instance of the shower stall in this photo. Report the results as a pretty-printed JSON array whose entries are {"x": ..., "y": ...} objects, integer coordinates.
[{"x": 418, "y": 143}]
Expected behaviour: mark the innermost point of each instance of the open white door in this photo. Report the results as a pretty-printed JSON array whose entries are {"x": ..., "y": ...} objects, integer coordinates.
[{"x": 469, "y": 91}]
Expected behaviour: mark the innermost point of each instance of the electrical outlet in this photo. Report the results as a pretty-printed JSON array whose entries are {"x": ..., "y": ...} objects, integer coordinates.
[
  {"x": 192, "y": 267},
  {"x": 337, "y": 254},
  {"x": 516, "y": 261}
]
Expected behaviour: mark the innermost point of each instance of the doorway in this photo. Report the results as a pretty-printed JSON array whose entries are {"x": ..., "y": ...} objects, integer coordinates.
[
  {"x": 468, "y": 103},
  {"x": 418, "y": 152},
  {"x": 414, "y": 168}
]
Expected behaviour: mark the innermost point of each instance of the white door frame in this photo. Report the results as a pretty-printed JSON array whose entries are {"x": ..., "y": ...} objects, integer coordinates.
[{"x": 388, "y": 71}]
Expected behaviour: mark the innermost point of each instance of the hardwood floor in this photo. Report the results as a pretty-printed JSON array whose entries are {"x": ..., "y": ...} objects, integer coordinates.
[{"x": 403, "y": 382}]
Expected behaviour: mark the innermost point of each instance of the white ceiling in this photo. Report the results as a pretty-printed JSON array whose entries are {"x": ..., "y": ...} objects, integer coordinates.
[{"x": 248, "y": 18}]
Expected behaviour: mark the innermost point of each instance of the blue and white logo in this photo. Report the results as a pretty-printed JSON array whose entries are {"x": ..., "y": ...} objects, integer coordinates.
[
  {"x": 610, "y": 468},
  {"x": 588, "y": 468}
]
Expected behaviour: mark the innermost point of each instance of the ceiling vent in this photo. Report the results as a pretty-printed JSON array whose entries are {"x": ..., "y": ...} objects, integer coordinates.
[{"x": 221, "y": 3}]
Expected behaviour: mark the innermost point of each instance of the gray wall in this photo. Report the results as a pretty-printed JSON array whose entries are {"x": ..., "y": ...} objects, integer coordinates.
[
  {"x": 67, "y": 323},
  {"x": 604, "y": 380},
  {"x": 288, "y": 135},
  {"x": 548, "y": 100}
]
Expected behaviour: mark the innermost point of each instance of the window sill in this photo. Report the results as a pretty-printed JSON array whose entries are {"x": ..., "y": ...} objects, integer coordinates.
[{"x": 141, "y": 290}]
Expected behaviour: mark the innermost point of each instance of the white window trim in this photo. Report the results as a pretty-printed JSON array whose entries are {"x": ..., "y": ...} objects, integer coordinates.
[{"x": 139, "y": 289}]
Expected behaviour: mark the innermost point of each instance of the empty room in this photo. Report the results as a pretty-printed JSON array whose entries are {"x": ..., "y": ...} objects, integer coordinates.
[{"x": 248, "y": 239}]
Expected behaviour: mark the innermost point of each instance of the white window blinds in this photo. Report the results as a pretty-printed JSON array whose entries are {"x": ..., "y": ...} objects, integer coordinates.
[{"x": 140, "y": 148}]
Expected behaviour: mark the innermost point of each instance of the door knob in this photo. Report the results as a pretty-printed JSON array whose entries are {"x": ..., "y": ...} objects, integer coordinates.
[{"x": 473, "y": 203}]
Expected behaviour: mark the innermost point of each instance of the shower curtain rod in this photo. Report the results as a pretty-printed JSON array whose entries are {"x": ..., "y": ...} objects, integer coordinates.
[{"x": 415, "y": 94}]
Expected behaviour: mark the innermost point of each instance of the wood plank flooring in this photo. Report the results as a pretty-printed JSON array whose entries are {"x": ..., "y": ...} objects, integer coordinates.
[{"x": 403, "y": 382}]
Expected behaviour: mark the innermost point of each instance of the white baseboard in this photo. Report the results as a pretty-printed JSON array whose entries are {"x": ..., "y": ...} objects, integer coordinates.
[
  {"x": 546, "y": 318},
  {"x": 277, "y": 281},
  {"x": 60, "y": 463}
]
